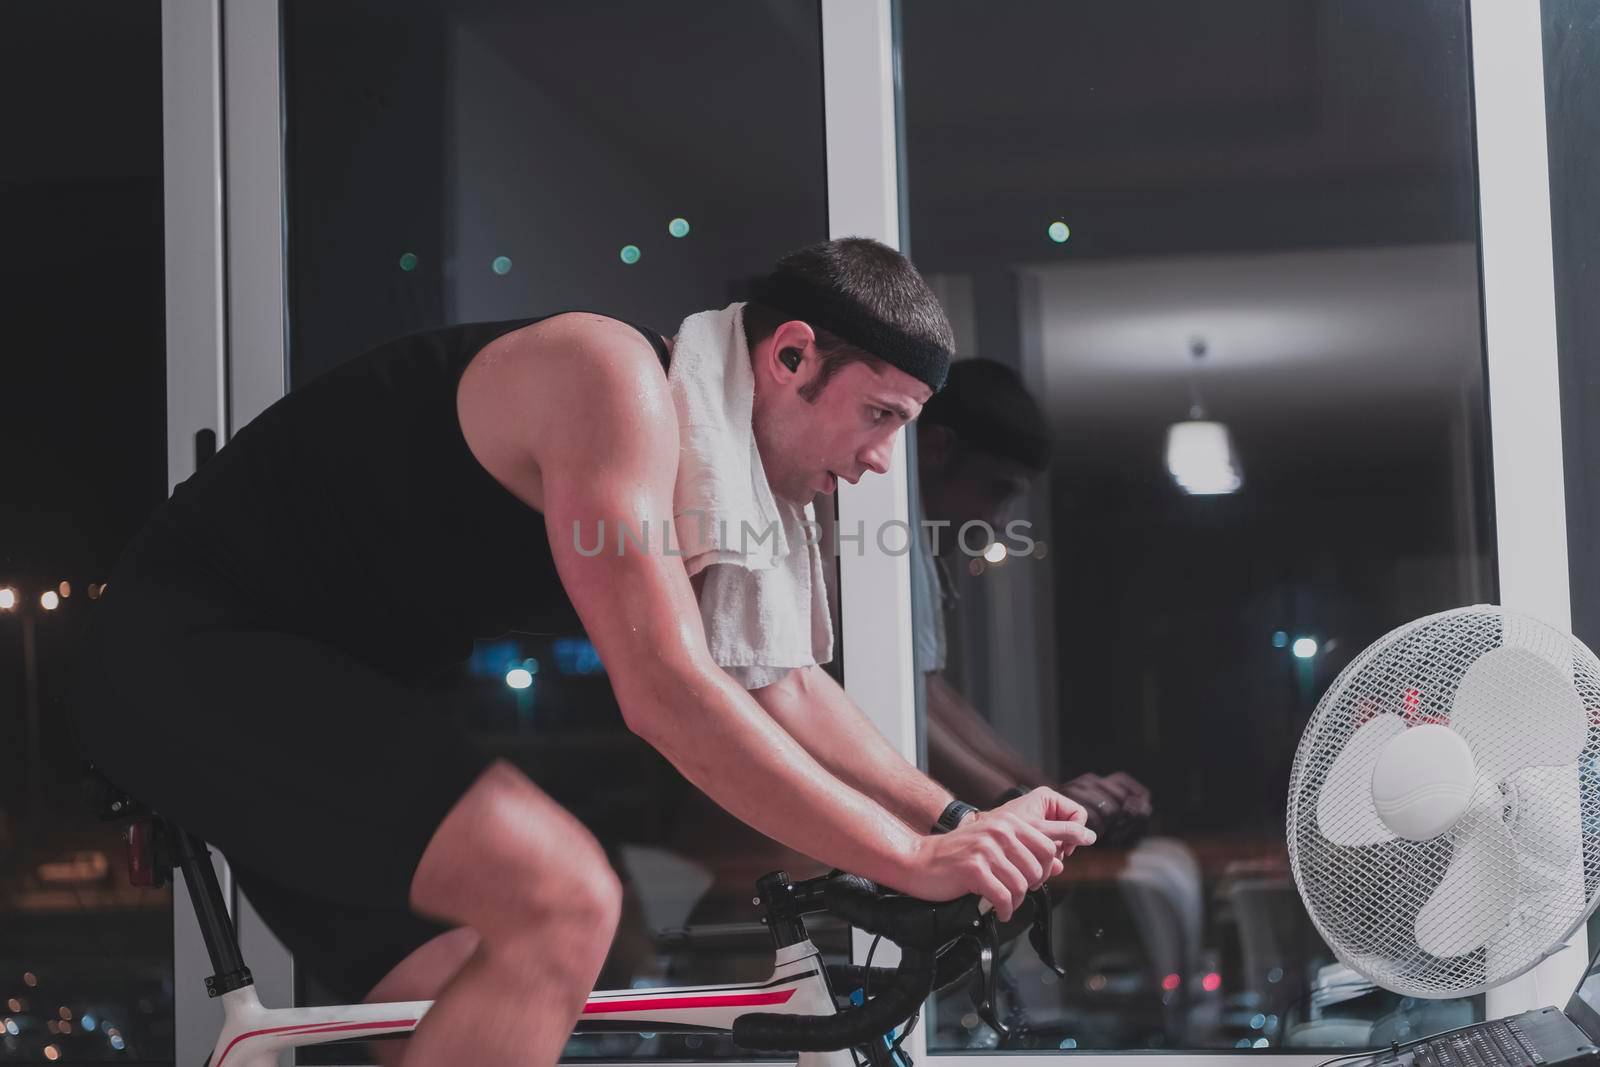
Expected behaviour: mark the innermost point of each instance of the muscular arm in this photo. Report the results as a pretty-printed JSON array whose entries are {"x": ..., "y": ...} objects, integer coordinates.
[
  {"x": 809, "y": 704},
  {"x": 606, "y": 444}
]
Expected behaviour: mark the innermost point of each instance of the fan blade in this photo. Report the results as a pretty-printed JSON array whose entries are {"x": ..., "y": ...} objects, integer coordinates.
[
  {"x": 1345, "y": 812},
  {"x": 1549, "y": 843},
  {"x": 1542, "y": 639},
  {"x": 1517, "y": 709},
  {"x": 1549, "y": 832},
  {"x": 1474, "y": 900}
]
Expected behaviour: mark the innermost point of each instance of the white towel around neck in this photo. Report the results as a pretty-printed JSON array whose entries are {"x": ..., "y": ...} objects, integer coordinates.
[{"x": 763, "y": 601}]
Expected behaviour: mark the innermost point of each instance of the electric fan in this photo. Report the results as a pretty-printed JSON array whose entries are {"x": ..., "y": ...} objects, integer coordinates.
[{"x": 1444, "y": 806}]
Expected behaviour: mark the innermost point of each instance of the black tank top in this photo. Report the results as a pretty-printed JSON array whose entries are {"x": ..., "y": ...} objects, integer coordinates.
[{"x": 353, "y": 511}]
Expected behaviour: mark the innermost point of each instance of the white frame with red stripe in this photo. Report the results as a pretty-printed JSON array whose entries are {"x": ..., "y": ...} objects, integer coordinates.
[{"x": 254, "y": 1035}]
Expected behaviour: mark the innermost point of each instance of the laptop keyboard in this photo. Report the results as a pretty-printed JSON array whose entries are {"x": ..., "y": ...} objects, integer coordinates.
[{"x": 1496, "y": 1044}]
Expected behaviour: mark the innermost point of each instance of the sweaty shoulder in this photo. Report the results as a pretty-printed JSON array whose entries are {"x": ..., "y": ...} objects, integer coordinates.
[
  {"x": 577, "y": 382},
  {"x": 584, "y": 337}
]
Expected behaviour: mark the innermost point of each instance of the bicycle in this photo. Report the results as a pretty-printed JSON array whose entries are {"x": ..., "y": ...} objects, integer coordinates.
[{"x": 801, "y": 1010}]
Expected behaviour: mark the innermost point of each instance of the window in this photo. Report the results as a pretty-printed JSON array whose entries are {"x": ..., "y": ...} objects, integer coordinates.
[
  {"x": 1571, "y": 55},
  {"x": 86, "y": 960},
  {"x": 485, "y": 160},
  {"x": 1214, "y": 274}
]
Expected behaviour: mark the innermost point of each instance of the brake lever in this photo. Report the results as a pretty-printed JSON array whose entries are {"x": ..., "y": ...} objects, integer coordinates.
[
  {"x": 1039, "y": 932},
  {"x": 989, "y": 944}
]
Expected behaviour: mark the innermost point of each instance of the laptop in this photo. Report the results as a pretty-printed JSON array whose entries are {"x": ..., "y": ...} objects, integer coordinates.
[{"x": 1567, "y": 1035}]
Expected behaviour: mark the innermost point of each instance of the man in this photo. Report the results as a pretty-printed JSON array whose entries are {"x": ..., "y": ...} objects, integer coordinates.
[
  {"x": 980, "y": 441},
  {"x": 252, "y": 672}
]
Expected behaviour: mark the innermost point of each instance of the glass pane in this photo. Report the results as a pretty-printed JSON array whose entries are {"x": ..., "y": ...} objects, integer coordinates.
[
  {"x": 85, "y": 958},
  {"x": 1572, "y": 97},
  {"x": 1214, "y": 272},
  {"x": 483, "y": 160}
]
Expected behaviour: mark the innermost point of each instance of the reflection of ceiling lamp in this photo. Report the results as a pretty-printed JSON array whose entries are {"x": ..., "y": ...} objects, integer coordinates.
[{"x": 1200, "y": 455}]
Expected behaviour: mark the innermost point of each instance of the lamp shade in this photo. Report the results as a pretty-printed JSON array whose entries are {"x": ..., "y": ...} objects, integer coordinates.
[{"x": 1201, "y": 459}]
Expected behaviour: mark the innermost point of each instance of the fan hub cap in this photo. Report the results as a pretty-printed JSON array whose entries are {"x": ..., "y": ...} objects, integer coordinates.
[{"x": 1422, "y": 783}]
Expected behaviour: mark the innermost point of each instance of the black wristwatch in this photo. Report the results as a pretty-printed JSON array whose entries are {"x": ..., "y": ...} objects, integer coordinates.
[{"x": 952, "y": 815}]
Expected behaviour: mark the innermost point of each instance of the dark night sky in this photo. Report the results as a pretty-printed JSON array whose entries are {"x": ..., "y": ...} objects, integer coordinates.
[{"x": 82, "y": 428}]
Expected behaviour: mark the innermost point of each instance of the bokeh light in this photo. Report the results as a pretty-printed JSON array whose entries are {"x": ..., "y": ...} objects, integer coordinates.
[
  {"x": 1059, "y": 232},
  {"x": 501, "y": 265},
  {"x": 408, "y": 261},
  {"x": 49, "y": 600},
  {"x": 8, "y": 599},
  {"x": 630, "y": 254},
  {"x": 519, "y": 678},
  {"x": 678, "y": 227},
  {"x": 1304, "y": 648}
]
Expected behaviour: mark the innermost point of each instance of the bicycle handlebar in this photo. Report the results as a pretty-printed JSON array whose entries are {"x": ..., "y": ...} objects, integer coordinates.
[{"x": 940, "y": 943}]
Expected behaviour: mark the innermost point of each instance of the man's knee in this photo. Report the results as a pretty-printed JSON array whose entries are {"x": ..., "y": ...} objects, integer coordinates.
[
  {"x": 572, "y": 934},
  {"x": 591, "y": 900},
  {"x": 508, "y": 857}
]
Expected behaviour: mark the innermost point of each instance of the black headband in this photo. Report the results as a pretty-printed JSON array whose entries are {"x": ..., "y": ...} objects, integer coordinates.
[{"x": 824, "y": 309}]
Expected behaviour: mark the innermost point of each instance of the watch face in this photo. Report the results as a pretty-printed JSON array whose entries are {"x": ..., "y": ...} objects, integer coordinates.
[{"x": 953, "y": 813}]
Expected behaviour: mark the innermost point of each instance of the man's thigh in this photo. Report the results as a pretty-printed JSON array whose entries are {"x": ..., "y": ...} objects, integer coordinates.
[{"x": 319, "y": 778}]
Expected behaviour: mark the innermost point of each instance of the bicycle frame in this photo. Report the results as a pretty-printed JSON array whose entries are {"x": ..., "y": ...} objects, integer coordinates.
[{"x": 253, "y": 1035}]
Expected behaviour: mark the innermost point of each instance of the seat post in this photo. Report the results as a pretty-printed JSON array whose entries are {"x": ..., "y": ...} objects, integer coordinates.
[
  {"x": 209, "y": 908},
  {"x": 155, "y": 848}
]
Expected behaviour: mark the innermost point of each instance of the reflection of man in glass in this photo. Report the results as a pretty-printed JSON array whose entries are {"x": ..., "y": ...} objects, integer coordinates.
[{"x": 979, "y": 442}]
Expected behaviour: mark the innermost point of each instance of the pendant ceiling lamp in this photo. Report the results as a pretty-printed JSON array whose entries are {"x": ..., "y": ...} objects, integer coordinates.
[{"x": 1200, "y": 454}]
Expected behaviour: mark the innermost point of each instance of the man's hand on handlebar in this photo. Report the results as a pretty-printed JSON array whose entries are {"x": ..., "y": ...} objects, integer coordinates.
[{"x": 1001, "y": 854}]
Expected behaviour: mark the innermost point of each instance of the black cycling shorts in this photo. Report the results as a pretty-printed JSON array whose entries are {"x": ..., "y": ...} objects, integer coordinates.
[{"x": 320, "y": 779}]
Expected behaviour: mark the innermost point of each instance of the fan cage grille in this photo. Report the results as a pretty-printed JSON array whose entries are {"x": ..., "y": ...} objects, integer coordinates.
[{"x": 1364, "y": 899}]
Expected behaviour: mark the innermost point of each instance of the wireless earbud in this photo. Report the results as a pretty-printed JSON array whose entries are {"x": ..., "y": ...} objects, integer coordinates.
[{"x": 790, "y": 357}]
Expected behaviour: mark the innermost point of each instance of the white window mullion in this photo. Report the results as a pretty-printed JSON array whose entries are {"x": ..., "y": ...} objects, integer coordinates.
[
  {"x": 875, "y": 572},
  {"x": 257, "y": 356},
  {"x": 222, "y": 173},
  {"x": 863, "y": 201},
  {"x": 253, "y": 124},
  {"x": 1524, "y": 389},
  {"x": 192, "y": 203},
  {"x": 191, "y": 167}
]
